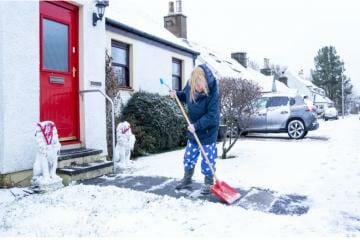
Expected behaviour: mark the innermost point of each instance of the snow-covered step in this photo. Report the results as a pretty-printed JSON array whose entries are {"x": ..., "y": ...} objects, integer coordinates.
[
  {"x": 76, "y": 172},
  {"x": 78, "y": 156}
]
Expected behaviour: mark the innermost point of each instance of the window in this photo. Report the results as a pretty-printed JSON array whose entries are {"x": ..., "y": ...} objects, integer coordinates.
[
  {"x": 261, "y": 103},
  {"x": 176, "y": 74},
  {"x": 278, "y": 101},
  {"x": 120, "y": 63},
  {"x": 292, "y": 101}
]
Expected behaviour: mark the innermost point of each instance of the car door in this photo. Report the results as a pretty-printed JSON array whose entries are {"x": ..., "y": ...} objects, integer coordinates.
[
  {"x": 258, "y": 119},
  {"x": 278, "y": 111}
]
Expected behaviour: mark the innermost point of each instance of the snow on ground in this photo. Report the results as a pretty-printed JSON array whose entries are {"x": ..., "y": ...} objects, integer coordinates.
[
  {"x": 6, "y": 196},
  {"x": 325, "y": 166}
]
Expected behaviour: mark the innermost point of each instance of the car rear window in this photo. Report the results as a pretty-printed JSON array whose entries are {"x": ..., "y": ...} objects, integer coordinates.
[{"x": 278, "y": 101}]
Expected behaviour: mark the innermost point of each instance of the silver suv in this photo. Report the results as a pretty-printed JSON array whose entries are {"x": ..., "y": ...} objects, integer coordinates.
[{"x": 278, "y": 113}]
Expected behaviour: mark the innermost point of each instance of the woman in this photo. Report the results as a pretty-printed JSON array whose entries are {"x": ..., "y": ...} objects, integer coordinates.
[{"x": 202, "y": 98}]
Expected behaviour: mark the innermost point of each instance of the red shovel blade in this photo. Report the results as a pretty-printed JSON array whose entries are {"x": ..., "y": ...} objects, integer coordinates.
[{"x": 225, "y": 192}]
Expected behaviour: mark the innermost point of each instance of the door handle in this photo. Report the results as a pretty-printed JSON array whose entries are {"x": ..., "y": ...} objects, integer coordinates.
[
  {"x": 74, "y": 72},
  {"x": 284, "y": 112}
]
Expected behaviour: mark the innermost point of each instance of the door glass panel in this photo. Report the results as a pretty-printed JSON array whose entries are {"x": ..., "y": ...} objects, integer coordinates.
[{"x": 55, "y": 46}]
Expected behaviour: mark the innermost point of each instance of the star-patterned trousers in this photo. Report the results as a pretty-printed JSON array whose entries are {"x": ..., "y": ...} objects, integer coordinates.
[{"x": 192, "y": 152}]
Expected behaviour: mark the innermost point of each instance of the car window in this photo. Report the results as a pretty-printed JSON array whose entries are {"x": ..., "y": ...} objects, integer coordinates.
[
  {"x": 278, "y": 101},
  {"x": 292, "y": 101},
  {"x": 261, "y": 102}
]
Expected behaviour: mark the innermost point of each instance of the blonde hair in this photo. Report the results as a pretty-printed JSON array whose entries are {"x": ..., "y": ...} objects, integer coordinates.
[{"x": 197, "y": 76}]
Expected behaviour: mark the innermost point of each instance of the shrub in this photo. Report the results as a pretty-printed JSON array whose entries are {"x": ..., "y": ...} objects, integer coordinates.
[
  {"x": 156, "y": 121},
  {"x": 237, "y": 105}
]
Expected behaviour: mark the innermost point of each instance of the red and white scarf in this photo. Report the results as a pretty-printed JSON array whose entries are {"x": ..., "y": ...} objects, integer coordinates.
[{"x": 47, "y": 130}]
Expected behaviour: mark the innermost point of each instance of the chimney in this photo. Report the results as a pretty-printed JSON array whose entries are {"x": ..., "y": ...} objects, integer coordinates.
[
  {"x": 301, "y": 74},
  {"x": 175, "y": 21},
  {"x": 171, "y": 8},
  {"x": 266, "y": 70},
  {"x": 178, "y": 6},
  {"x": 283, "y": 78},
  {"x": 266, "y": 63},
  {"x": 240, "y": 57}
]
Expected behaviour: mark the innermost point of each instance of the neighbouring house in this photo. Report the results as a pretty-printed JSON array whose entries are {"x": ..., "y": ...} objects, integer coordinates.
[
  {"x": 143, "y": 51},
  {"x": 307, "y": 88},
  {"x": 223, "y": 66}
]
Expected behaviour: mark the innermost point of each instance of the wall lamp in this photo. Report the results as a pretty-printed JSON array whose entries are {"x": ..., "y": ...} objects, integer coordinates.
[{"x": 100, "y": 5}]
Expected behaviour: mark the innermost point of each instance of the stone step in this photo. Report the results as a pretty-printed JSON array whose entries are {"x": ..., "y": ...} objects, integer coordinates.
[
  {"x": 76, "y": 172},
  {"x": 78, "y": 156}
]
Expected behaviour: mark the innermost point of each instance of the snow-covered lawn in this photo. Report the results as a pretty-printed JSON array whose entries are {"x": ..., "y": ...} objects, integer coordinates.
[{"x": 325, "y": 166}]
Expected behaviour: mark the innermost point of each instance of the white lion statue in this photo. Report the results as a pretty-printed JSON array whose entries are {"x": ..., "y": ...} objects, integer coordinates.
[
  {"x": 125, "y": 141},
  {"x": 48, "y": 148}
]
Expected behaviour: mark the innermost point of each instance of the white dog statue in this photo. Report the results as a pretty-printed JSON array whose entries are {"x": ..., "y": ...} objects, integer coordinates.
[
  {"x": 125, "y": 141},
  {"x": 48, "y": 148}
]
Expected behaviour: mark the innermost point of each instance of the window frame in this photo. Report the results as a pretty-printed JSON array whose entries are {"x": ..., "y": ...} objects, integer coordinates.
[
  {"x": 179, "y": 77},
  {"x": 126, "y": 48}
]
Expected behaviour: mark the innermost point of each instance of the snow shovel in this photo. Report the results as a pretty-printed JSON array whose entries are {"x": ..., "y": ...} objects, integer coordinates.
[{"x": 220, "y": 188}]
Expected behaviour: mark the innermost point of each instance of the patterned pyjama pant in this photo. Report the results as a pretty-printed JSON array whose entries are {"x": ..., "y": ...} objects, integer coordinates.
[{"x": 192, "y": 152}]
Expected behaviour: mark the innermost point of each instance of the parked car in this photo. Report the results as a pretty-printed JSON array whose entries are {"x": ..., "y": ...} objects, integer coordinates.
[
  {"x": 331, "y": 113},
  {"x": 320, "y": 110},
  {"x": 277, "y": 113}
]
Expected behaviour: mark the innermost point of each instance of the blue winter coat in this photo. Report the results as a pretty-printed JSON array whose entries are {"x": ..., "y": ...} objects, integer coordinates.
[{"x": 204, "y": 113}]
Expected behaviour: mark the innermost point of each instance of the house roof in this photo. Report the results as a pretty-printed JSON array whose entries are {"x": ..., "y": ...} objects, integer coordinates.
[
  {"x": 136, "y": 22},
  {"x": 322, "y": 99},
  {"x": 290, "y": 74},
  {"x": 223, "y": 66}
]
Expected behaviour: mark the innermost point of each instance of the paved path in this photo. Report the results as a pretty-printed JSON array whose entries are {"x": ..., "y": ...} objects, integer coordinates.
[{"x": 264, "y": 200}]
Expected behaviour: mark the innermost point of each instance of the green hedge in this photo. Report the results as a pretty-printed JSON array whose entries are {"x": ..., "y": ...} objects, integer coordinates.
[{"x": 156, "y": 121}]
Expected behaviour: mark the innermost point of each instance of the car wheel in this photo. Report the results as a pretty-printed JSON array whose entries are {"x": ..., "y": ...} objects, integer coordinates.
[
  {"x": 296, "y": 129},
  {"x": 326, "y": 119}
]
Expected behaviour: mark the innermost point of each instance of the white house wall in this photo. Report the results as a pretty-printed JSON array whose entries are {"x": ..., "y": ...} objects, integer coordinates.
[
  {"x": 92, "y": 69},
  {"x": 20, "y": 84},
  {"x": 1, "y": 90},
  {"x": 149, "y": 63}
]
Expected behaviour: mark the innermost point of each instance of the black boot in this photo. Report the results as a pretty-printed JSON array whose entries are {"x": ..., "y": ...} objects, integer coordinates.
[
  {"x": 186, "y": 181},
  {"x": 206, "y": 188}
]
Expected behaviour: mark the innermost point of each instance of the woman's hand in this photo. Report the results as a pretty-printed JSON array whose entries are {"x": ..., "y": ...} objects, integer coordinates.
[
  {"x": 191, "y": 128},
  {"x": 172, "y": 93}
]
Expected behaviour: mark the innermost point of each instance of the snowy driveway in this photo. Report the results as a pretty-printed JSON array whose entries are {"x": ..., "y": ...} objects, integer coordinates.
[{"x": 325, "y": 167}]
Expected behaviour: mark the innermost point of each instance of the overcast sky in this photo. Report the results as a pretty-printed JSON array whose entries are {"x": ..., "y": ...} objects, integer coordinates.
[{"x": 289, "y": 32}]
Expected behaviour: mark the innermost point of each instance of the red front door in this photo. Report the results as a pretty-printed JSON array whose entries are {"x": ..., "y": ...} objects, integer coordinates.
[{"x": 59, "y": 82}]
